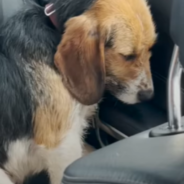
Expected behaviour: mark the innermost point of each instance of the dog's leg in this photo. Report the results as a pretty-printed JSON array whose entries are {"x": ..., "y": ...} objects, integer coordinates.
[
  {"x": 55, "y": 169},
  {"x": 4, "y": 179},
  {"x": 69, "y": 151}
]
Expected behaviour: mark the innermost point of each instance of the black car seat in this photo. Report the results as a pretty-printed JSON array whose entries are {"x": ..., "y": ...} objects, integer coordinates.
[
  {"x": 1, "y": 12},
  {"x": 177, "y": 28},
  {"x": 8, "y": 8},
  {"x": 132, "y": 119}
]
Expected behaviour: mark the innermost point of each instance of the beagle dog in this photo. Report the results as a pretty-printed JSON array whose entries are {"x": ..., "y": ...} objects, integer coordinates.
[{"x": 49, "y": 90}]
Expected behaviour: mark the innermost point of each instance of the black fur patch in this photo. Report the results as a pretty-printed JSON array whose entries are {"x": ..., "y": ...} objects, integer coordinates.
[
  {"x": 42, "y": 2},
  {"x": 25, "y": 37},
  {"x": 41, "y": 178},
  {"x": 70, "y": 8},
  {"x": 15, "y": 103}
]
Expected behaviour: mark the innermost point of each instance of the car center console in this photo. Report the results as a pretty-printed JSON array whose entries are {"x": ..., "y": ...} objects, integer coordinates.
[{"x": 136, "y": 160}]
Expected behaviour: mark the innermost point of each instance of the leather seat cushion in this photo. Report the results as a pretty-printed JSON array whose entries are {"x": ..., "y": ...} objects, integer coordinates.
[{"x": 136, "y": 160}]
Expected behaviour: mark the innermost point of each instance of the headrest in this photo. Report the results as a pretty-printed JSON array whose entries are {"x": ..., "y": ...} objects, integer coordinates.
[
  {"x": 9, "y": 8},
  {"x": 177, "y": 26}
]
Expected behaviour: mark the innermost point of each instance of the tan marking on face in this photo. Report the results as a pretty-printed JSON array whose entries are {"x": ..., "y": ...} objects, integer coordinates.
[{"x": 130, "y": 26}]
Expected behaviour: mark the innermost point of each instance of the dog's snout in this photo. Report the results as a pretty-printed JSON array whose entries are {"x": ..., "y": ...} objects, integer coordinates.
[{"x": 145, "y": 95}]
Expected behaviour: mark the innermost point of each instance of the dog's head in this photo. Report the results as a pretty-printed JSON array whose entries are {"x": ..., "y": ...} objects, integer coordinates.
[{"x": 108, "y": 47}]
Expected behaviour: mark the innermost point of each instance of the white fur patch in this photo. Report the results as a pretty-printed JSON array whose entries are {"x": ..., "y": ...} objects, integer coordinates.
[
  {"x": 4, "y": 179},
  {"x": 133, "y": 87},
  {"x": 25, "y": 158}
]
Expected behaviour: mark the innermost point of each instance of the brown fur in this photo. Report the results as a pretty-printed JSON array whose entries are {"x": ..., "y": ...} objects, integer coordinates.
[
  {"x": 133, "y": 33},
  {"x": 52, "y": 121},
  {"x": 128, "y": 25},
  {"x": 84, "y": 74}
]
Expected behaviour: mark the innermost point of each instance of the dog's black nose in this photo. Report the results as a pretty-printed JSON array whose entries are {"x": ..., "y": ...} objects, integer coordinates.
[{"x": 145, "y": 95}]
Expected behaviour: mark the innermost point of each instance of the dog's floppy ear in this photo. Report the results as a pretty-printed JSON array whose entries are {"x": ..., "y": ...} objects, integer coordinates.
[{"x": 80, "y": 59}]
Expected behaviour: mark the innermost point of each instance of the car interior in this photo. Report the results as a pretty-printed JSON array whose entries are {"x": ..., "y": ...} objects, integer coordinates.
[{"x": 142, "y": 143}]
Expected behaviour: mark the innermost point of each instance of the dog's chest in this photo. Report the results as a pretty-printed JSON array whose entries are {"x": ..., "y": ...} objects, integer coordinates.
[
  {"x": 81, "y": 116},
  {"x": 27, "y": 158},
  {"x": 57, "y": 112}
]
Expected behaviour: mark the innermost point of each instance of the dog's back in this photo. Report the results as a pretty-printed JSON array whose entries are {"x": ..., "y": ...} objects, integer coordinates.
[
  {"x": 19, "y": 48},
  {"x": 36, "y": 110}
]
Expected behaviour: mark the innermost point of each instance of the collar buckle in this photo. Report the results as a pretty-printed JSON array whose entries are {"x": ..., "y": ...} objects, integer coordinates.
[
  {"x": 51, "y": 13},
  {"x": 49, "y": 10}
]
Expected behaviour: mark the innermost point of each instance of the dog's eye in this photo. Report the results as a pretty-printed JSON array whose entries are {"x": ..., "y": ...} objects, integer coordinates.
[
  {"x": 109, "y": 43},
  {"x": 130, "y": 57}
]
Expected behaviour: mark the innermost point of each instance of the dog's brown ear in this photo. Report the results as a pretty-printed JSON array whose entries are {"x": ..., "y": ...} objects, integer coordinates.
[{"x": 80, "y": 59}]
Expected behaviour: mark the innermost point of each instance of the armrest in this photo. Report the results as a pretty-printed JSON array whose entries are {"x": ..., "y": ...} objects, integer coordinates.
[{"x": 136, "y": 160}]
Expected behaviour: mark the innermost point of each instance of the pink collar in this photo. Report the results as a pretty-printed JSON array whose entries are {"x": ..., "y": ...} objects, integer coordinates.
[{"x": 51, "y": 13}]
